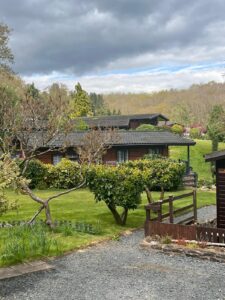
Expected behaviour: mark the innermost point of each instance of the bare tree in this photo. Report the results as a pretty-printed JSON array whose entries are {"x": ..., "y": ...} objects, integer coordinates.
[
  {"x": 30, "y": 125},
  {"x": 95, "y": 144}
]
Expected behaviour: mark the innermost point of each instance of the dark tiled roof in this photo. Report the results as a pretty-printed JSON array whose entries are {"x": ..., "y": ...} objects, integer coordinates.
[
  {"x": 216, "y": 155},
  {"x": 118, "y": 121},
  {"x": 122, "y": 138}
]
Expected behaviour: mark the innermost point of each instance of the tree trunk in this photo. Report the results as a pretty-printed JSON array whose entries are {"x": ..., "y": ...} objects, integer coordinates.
[
  {"x": 124, "y": 216},
  {"x": 162, "y": 193},
  {"x": 115, "y": 214},
  {"x": 48, "y": 215},
  {"x": 149, "y": 195}
]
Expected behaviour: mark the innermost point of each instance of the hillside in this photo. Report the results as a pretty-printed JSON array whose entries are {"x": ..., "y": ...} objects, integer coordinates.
[
  {"x": 197, "y": 152},
  {"x": 187, "y": 106}
]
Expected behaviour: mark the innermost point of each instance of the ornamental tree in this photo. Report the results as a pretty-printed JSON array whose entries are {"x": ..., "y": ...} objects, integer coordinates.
[{"x": 118, "y": 187}]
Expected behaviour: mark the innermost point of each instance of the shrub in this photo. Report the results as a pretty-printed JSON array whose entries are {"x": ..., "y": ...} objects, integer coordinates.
[
  {"x": 195, "y": 133},
  {"x": 81, "y": 125},
  {"x": 36, "y": 172},
  {"x": 146, "y": 127},
  {"x": 65, "y": 175},
  {"x": 166, "y": 240},
  {"x": 177, "y": 129},
  {"x": 160, "y": 172},
  {"x": 116, "y": 186}
]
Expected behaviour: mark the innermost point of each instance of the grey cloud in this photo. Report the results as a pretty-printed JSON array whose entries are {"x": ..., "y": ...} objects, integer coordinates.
[{"x": 87, "y": 36}]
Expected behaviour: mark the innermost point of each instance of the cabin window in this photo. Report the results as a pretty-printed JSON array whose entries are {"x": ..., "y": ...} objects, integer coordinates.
[
  {"x": 57, "y": 157},
  {"x": 72, "y": 156},
  {"x": 154, "y": 151},
  {"x": 122, "y": 155}
]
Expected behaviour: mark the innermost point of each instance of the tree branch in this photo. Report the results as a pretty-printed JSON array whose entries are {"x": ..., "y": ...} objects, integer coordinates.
[
  {"x": 66, "y": 192},
  {"x": 35, "y": 216}
]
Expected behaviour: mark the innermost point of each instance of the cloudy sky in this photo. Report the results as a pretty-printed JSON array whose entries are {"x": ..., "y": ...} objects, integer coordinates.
[{"x": 117, "y": 45}]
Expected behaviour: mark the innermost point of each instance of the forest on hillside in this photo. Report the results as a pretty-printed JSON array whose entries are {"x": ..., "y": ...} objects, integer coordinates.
[{"x": 188, "y": 106}]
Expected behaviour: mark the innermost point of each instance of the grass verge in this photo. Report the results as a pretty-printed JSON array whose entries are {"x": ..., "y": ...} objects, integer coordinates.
[{"x": 80, "y": 206}]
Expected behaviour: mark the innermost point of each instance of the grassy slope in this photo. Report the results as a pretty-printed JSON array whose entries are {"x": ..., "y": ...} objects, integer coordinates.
[{"x": 197, "y": 153}]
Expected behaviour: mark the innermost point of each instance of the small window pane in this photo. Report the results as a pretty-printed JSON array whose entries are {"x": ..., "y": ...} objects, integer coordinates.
[
  {"x": 56, "y": 158},
  {"x": 122, "y": 156}
]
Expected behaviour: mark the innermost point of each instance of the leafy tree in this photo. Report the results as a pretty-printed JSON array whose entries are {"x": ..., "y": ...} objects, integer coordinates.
[
  {"x": 32, "y": 91},
  {"x": 146, "y": 127},
  {"x": 6, "y": 56},
  {"x": 98, "y": 105},
  {"x": 117, "y": 187},
  {"x": 9, "y": 178},
  {"x": 176, "y": 128},
  {"x": 216, "y": 126},
  {"x": 122, "y": 185},
  {"x": 81, "y": 102}
]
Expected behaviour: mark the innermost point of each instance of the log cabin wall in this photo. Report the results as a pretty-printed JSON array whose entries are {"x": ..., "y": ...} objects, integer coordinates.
[
  {"x": 220, "y": 193},
  {"x": 46, "y": 158},
  {"x": 134, "y": 152}
]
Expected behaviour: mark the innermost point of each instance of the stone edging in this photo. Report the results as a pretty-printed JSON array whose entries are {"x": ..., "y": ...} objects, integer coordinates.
[
  {"x": 207, "y": 253},
  {"x": 25, "y": 268}
]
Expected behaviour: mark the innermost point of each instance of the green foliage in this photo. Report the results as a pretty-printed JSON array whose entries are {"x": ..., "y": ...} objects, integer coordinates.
[
  {"x": 65, "y": 175},
  {"x": 81, "y": 125},
  {"x": 120, "y": 186},
  {"x": 98, "y": 105},
  {"x": 23, "y": 242},
  {"x": 32, "y": 91},
  {"x": 166, "y": 240},
  {"x": 116, "y": 186},
  {"x": 177, "y": 129},
  {"x": 195, "y": 133},
  {"x": 81, "y": 102},
  {"x": 146, "y": 127},
  {"x": 36, "y": 172},
  {"x": 6, "y": 55},
  {"x": 216, "y": 126},
  {"x": 9, "y": 178},
  {"x": 159, "y": 172}
]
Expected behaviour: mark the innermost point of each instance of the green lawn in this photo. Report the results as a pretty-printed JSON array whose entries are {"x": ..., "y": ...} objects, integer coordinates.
[
  {"x": 81, "y": 206},
  {"x": 197, "y": 153}
]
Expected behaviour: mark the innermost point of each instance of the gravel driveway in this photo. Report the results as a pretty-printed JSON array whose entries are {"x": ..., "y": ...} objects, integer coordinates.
[{"x": 121, "y": 270}]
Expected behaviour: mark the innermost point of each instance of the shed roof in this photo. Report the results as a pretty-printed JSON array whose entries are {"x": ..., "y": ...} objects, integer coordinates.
[
  {"x": 118, "y": 120},
  {"x": 123, "y": 138},
  {"x": 216, "y": 155}
]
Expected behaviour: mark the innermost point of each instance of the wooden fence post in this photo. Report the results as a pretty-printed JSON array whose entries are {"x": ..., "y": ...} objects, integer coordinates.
[
  {"x": 171, "y": 208},
  {"x": 195, "y": 205},
  {"x": 148, "y": 215},
  {"x": 160, "y": 211}
]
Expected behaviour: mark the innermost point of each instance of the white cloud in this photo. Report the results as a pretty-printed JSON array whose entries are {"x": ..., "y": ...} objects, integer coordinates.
[{"x": 142, "y": 81}]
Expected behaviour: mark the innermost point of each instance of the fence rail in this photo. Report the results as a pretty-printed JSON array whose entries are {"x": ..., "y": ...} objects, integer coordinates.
[
  {"x": 187, "y": 232},
  {"x": 157, "y": 207},
  {"x": 156, "y": 226}
]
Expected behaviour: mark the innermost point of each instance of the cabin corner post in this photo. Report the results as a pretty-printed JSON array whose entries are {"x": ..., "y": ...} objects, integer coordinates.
[
  {"x": 188, "y": 159},
  {"x": 195, "y": 205}
]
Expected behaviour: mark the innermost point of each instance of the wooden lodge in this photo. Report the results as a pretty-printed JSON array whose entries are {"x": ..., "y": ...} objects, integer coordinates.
[
  {"x": 129, "y": 145},
  {"x": 219, "y": 158}
]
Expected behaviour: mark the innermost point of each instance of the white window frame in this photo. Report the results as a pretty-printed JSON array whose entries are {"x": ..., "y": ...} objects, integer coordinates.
[
  {"x": 56, "y": 158},
  {"x": 122, "y": 155}
]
